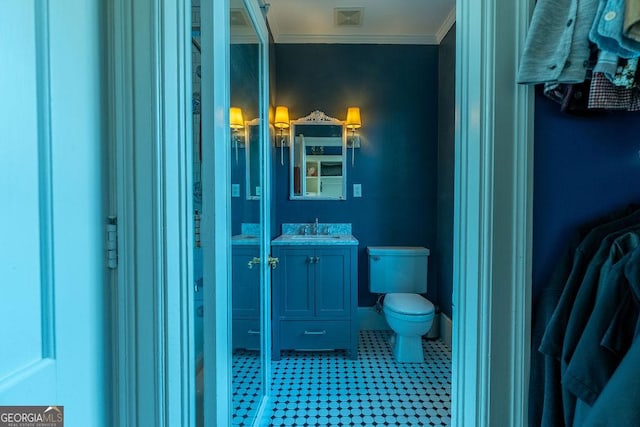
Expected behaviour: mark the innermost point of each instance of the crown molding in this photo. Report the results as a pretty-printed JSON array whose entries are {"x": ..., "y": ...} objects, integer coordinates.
[
  {"x": 420, "y": 39},
  {"x": 446, "y": 25}
]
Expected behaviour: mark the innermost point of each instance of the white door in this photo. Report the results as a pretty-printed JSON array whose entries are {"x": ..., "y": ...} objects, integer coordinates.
[{"x": 53, "y": 323}]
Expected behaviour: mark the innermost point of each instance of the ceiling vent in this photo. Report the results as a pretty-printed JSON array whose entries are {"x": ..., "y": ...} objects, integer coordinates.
[
  {"x": 239, "y": 18},
  {"x": 351, "y": 17}
]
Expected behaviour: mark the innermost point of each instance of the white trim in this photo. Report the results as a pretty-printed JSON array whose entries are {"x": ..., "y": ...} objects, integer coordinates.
[
  {"x": 152, "y": 130},
  {"x": 419, "y": 39},
  {"x": 493, "y": 175},
  {"x": 123, "y": 298},
  {"x": 445, "y": 329},
  {"x": 259, "y": 21},
  {"x": 446, "y": 25},
  {"x": 216, "y": 211},
  {"x": 370, "y": 320}
]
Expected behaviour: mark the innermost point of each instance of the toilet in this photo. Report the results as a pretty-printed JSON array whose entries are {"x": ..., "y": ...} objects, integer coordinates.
[{"x": 401, "y": 274}]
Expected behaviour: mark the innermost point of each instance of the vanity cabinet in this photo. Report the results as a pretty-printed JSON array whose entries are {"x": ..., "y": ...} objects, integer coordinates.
[
  {"x": 315, "y": 298},
  {"x": 245, "y": 298}
]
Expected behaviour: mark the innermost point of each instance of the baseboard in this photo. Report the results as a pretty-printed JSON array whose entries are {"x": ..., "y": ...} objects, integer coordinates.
[
  {"x": 370, "y": 320},
  {"x": 445, "y": 329}
]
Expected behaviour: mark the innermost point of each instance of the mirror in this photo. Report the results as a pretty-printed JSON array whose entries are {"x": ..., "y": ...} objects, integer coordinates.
[
  {"x": 318, "y": 158},
  {"x": 247, "y": 92},
  {"x": 252, "y": 152}
]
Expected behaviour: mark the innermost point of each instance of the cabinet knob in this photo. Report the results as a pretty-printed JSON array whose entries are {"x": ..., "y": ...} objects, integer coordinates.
[{"x": 252, "y": 332}]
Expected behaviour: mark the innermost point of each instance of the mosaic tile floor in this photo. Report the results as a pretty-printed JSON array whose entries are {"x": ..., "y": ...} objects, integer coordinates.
[
  {"x": 328, "y": 389},
  {"x": 246, "y": 386}
]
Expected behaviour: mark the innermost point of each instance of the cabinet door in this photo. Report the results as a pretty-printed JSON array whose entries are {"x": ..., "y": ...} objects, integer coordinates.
[
  {"x": 245, "y": 293},
  {"x": 296, "y": 283},
  {"x": 332, "y": 282}
]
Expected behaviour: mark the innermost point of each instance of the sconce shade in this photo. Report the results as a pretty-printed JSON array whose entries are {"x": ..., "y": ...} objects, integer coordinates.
[
  {"x": 235, "y": 118},
  {"x": 353, "y": 118},
  {"x": 282, "y": 117}
]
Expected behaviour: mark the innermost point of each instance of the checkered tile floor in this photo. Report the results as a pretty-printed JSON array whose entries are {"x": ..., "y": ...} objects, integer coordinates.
[
  {"x": 246, "y": 386},
  {"x": 328, "y": 389}
]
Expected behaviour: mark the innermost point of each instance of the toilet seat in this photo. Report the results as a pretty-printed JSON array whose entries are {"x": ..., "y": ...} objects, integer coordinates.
[{"x": 408, "y": 305}]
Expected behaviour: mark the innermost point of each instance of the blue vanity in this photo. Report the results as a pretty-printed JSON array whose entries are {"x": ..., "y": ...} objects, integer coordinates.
[
  {"x": 245, "y": 292},
  {"x": 315, "y": 289}
]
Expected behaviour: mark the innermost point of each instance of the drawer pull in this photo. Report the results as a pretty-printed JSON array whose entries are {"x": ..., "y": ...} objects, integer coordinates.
[
  {"x": 315, "y": 333},
  {"x": 252, "y": 332}
]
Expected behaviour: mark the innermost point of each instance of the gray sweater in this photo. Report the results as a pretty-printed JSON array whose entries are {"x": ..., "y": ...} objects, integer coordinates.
[{"x": 557, "y": 46}]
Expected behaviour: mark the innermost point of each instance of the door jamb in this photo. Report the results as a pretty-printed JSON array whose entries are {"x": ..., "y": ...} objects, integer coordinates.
[
  {"x": 494, "y": 165},
  {"x": 492, "y": 216}
]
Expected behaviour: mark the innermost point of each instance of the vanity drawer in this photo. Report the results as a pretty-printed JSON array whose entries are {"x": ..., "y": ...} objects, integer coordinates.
[
  {"x": 246, "y": 333},
  {"x": 315, "y": 335}
]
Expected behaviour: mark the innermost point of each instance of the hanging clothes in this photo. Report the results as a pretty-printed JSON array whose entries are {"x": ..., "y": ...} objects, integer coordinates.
[
  {"x": 559, "y": 53},
  {"x": 606, "y": 30},
  {"x": 564, "y": 312},
  {"x": 631, "y": 26},
  {"x": 557, "y": 45}
]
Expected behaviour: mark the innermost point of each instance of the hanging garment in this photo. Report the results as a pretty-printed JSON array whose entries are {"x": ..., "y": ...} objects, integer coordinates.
[
  {"x": 573, "y": 98},
  {"x": 554, "y": 304},
  {"x": 557, "y": 45},
  {"x": 607, "y": 64},
  {"x": 626, "y": 73},
  {"x": 560, "y": 337},
  {"x": 606, "y": 95},
  {"x": 592, "y": 365},
  {"x": 606, "y": 31},
  {"x": 631, "y": 26},
  {"x": 618, "y": 402}
]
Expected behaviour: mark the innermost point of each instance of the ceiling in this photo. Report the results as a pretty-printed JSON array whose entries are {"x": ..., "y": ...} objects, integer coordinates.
[{"x": 380, "y": 21}]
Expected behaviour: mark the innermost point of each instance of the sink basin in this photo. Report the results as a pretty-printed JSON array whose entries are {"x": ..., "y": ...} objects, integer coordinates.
[
  {"x": 244, "y": 237},
  {"x": 312, "y": 236}
]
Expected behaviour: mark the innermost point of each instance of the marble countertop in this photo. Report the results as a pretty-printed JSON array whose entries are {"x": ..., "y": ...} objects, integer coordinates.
[
  {"x": 329, "y": 234},
  {"x": 245, "y": 239},
  {"x": 320, "y": 239}
]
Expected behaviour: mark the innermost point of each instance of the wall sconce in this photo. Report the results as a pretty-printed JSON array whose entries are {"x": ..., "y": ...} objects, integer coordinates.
[
  {"x": 281, "y": 122},
  {"x": 353, "y": 122},
  {"x": 235, "y": 122}
]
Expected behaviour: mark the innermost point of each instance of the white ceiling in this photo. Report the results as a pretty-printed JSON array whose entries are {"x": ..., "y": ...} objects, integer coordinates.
[{"x": 383, "y": 21}]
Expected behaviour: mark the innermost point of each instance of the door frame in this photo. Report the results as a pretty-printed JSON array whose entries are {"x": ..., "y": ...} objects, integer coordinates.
[
  {"x": 492, "y": 215},
  {"x": 493, "y": 205},
  {"x": 150, "y": 129}
]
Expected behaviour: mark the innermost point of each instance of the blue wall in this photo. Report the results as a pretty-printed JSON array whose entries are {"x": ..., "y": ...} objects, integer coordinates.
[
  {"x": 443, "y": 257},
  {"x": 396, "y": 88},
  {"x": 244, "y": 93},
  {"x": 585, "y": 167}
]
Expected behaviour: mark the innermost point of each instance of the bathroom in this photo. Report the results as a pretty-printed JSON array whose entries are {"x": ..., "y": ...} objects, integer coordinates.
[{"x": 403, "y": 164}]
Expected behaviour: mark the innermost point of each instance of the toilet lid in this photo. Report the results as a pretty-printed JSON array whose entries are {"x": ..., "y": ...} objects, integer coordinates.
[{"x": 408, "y": 304}]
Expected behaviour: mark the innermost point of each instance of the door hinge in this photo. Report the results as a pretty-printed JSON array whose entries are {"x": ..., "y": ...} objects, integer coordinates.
[{"x": 112, "y": 242}]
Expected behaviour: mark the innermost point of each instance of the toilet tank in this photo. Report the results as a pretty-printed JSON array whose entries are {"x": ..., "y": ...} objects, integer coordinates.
[{"x": 397, "y": 269}]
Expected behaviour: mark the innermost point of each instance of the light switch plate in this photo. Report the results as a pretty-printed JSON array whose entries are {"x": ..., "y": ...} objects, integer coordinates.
[
  {"x": 357, "y": 190},
  {"x": 235, "y": 190}
]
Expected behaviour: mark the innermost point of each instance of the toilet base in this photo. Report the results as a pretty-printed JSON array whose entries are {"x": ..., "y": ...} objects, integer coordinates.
[{"x": 407, "y": 349}]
